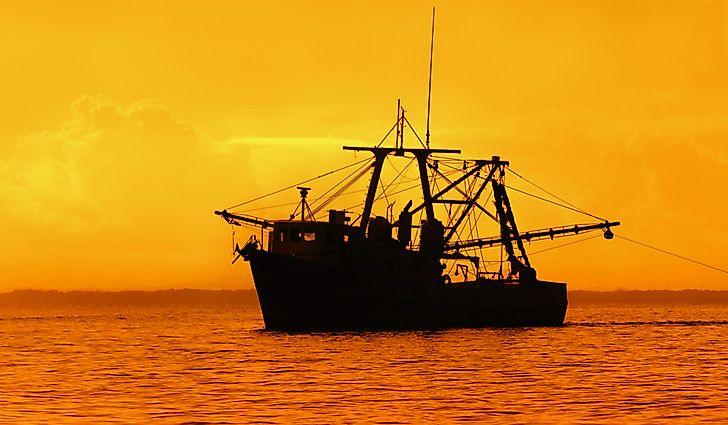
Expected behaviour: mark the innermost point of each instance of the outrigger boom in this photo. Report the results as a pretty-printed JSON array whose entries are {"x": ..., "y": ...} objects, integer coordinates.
[
  {"x": 535, "y": 235},
  {"x": 235, "y": 219}
]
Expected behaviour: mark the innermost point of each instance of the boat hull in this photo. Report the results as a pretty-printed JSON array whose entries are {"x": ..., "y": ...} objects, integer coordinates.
[{"x": 296, "y": 294}]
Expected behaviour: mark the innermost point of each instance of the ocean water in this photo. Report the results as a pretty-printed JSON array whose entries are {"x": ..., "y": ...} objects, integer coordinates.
[{"x": 616, "y": 363}]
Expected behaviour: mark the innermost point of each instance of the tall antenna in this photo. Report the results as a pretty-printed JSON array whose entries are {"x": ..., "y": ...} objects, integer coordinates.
[{"x": 429, "y": 85}]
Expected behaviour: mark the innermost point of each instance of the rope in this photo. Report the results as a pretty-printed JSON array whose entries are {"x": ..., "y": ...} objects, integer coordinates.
[
  {"x": 288, "y": 204},
  {"x": 539, "y": 187},
  {"x": 444, "y": 161},
  {"x": 391, "y": 194},
  {"x": 384, "y": 191},
  {"x": 673, "y": 254},
  {"x": 415, "y": 133},
  {"x": 401, "y": 175},
  {"x": 563, "y": 245},
  {"x": 346, "y": 184},
  {"x": 299, "y": 184},
  {"x": 388, "y": 133},
  {"x": 556, "y": 203},
  {"x": 362, "y": 171}
]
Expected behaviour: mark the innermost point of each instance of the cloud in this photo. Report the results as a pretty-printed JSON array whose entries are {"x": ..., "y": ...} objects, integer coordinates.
[
  {"x": 661, "y": 177},
  {"x": 133, "y": 185},
  {"x": 277, "y": 142},
  {"x": 122, "y": 196},
  {"x": 113, "y": 168}
]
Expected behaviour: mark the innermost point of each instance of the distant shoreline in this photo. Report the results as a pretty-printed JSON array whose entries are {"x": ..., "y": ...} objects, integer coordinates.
[
  {"x": 249, "y": 297},
  {"x": 650, "y": 296},
  {"x": 32, "y": 297}
]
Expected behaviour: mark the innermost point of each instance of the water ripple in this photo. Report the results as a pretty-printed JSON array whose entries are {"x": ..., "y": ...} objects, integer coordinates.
[{"x": 611, "y": 364}]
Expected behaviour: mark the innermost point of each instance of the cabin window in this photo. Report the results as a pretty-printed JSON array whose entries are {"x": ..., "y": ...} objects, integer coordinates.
[
  {"x": 282, "y": 235},
  {"x": 295, "y": 235},
  {"x": 346, "y": 238},
  {"x": 309, "y": 235}
]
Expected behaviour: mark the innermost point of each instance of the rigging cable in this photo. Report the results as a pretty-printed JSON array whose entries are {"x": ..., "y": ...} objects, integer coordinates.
[
  {"x": 339, "y": 192},
  {"x": 299, "y": 184},
  {"x": 401, "y": 174},
  {"x": 365, "y": 190},
  {"x": 539, "y": 187},
  {"x": 480, "y": 207},
  {"x": 391, "y": 164},
  {"x": 384, "y": 192},
  {"x": 682, "y": 257},
  {"x": 673, "y": 254},
  {"x": 342, "y": 181},
  {"x": 556, "y": 203},
  {"x": 415, "y": 133},
  {"x": 347, "y": 184},
  {"x": 443, "y": 160},
  {"x": 416, "y": 185},
  {"x": 388, "y": 133},
  {"x": 563, "y": 245},
  {"x": 470, "y": 188},
  {"x": 288, "y": 204}
]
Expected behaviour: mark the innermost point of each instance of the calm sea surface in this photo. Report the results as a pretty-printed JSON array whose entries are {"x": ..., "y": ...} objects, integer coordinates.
[{"x": 610, "y": 363}]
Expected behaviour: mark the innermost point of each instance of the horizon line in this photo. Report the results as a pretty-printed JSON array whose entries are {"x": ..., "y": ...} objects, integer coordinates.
[{"x": 253, "y": 289}]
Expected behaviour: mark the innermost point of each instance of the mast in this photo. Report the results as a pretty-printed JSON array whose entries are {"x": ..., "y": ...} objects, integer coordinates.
[
  {"x": 372, "y": 190},
  {"x": 399, "y": 112},
  {"x": 429, "y": 84},
  {"x": 304, "y": 205},
  {"x": 379, "y": 155},
  {"x": 425, "y": 182}
]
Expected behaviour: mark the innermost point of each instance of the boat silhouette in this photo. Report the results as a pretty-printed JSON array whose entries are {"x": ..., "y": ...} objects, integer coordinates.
[
  {"x": 344, "y": 272},
  {"x": 347, "y": 272}
]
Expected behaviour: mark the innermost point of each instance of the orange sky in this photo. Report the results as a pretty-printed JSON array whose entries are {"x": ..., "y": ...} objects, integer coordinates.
[{"x": 126, "y": 124}]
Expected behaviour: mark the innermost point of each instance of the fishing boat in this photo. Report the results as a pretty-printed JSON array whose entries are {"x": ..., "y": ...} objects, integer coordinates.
[
  {"x": 324, "y": 268},
  {"x": 349, "y": 268}
]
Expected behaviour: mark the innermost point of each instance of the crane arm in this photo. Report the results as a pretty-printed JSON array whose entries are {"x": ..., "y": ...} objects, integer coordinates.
[
  {"x": 235, "y": 219},
  {"x": 535, "y": 235}
]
